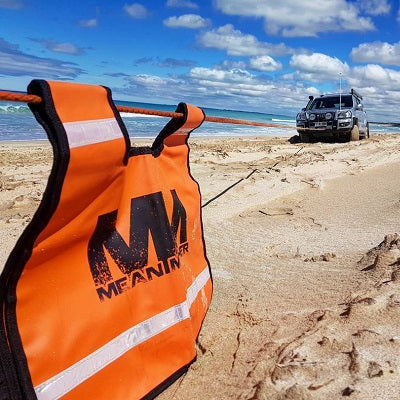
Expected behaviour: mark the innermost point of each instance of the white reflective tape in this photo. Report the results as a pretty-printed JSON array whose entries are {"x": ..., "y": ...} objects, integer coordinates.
[
  {"x": 82, "y": 133},
  {"x": 65, "y": 381},
  {"x": 182, "y": 132}
]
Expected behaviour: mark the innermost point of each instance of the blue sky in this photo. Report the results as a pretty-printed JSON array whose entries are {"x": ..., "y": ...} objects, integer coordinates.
[{"x": 260, "y": 55}]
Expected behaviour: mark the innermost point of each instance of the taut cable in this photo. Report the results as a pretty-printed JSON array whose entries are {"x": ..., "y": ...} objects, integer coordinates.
[{"x": 33, "y": 99}]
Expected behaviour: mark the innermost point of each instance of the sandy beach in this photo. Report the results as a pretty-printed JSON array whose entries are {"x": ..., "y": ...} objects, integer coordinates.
[{"x": 305, "y": 255}]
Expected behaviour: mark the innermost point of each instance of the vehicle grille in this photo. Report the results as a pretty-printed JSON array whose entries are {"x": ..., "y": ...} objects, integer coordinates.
[{"x": 320, "y": 117}]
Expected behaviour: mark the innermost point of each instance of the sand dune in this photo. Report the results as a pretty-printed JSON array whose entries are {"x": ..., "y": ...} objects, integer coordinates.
[{"x": 305, "y": 255}]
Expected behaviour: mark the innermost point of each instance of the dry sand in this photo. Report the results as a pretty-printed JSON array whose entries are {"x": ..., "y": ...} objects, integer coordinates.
[{"x": 305, "y": 261}]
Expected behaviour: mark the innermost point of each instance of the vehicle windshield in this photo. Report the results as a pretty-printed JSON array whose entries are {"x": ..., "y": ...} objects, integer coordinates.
[{"x": 332, "y": 102}]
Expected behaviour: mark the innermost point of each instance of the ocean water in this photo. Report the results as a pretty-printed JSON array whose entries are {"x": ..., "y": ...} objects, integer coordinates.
[{"x": 18, "y": 123}]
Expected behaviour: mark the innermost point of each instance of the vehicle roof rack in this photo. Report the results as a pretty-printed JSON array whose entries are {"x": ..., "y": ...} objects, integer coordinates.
[{"x": 355, "y": 93}]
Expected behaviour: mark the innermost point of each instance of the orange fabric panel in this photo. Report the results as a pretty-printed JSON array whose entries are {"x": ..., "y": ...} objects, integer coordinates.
[
  {"x": 95, "y": 97},
  {"x": 65, "y": 312},
  {"x": 179, "y": 137},
  {"x": 83, "y": 177}
]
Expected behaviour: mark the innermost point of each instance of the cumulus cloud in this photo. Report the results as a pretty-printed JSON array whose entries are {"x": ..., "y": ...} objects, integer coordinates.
[
  {"x": 231, "y": 64},
  {"x": 264, "y": 63},
  {"x": 136, "y": 10},
  {"x": 238, "y": 83},
  {"x": 182, "y": 4},
  {"x": 245, "y": 89},
  {"x": 88, "y": 23},
  {"x": 382, "y": 52},
  {"x": 14, "y": 62},
  {"x": 236, "y": 43},
  {"x": 217, "y": 75},
  {"x": 60, "y": 47},
  {"x": 148, "y": 81},
  {"x": 318, "y": 67},
  {"x": 298, "y": 18},
  {"x": 209, "y": 87},
  {"x": 374, "y": 7},
  {"x": 379, "y": 86},
  {"x": 191, "y": 21},
  {"x": 377, "y": 76}
]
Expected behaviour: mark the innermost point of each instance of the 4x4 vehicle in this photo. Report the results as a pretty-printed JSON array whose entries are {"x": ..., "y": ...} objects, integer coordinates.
[{"x": 337, "y": 116}]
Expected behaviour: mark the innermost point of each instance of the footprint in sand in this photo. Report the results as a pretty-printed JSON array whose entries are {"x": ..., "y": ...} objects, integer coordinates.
[{"x": 22, "y": 201}]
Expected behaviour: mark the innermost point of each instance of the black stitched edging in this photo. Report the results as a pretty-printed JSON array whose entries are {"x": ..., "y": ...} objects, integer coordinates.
[
  {"x": 130, "y": 151},
  {"x": 201, "y": 213},
  {"x": 172, "y": 126},
  {"x": 158, "y": 145},
  {"x": 139, "y": 151},
  {"x": 47, "y": 116},
  {"x": 120, "y": 123},
  {"x": 168, "y": 382},
  {"x": 9, "y": 387}
]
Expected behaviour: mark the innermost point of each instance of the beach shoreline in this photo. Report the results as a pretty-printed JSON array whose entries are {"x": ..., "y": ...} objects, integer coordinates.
[{"x": 304, "y": 256}]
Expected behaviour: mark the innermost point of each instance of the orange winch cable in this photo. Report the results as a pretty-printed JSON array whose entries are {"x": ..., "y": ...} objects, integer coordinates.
[{"x": 33, "y": 99}]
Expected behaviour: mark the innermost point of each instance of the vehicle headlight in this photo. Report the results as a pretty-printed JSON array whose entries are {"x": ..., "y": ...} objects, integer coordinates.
[
  {"x": 301, "y": 116},
  {"x": 328, "y": 115},
  {"x": 344, "y": 114},
  {"x": 312, "y": 117}
]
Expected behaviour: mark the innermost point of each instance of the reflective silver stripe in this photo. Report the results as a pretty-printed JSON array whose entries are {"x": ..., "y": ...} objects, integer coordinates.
[
  {"x": 81, "y": 133},
  {"x": 183, "y": 132},
  {"x": 65, "y": 381}
]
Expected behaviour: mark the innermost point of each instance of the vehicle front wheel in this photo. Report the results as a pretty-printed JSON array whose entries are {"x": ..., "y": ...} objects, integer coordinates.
[
  {"x": 304, "y": 137},
  {"x": 355, "y": 134}
]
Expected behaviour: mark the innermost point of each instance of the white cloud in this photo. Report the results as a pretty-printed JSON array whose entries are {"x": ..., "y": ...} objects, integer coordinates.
[
  {"x": 191, "y": 21},
  {"x": 244, "y": 90},
  {"x": 234, "y": 84},
  {"x": 231, "y": 64},
  {"x": 374, "y": 7},
  {"x": 60, "y": 47},
  {"x": 318, "y": 67},
  {"x": 382, "y": 52},
  {"x": 88, "y": 23},
  {"x": 236, "y": 43},
  {"x": 299, "y": 18},
  {"x": 264, "y": 63},
  {"x": 182, "y": 4},
  {"x": 376, "y": 76},
  {"x": 150, "y": 81},
  {"x": 136, "y": 10},
  {"x": 214, "y": 87},
  {"x": 217, "y": 75},
  {"x": 14, "y": 62},
  {"x": 380, "y": 88}
]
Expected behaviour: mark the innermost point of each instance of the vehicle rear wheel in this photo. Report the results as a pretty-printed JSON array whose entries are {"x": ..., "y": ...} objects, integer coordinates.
[
  {"x": 304, "y": 137},
  {"x": 355, "y": 134}
]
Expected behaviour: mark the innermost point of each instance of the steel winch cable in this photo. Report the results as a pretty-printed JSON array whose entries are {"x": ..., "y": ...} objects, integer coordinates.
[{"x": 33, "y": 99}]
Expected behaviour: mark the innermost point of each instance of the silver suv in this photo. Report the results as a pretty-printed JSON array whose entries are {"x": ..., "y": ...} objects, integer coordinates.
[{"x": 336, "y": 116}]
